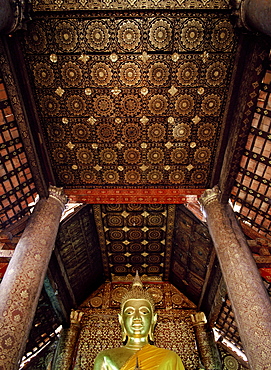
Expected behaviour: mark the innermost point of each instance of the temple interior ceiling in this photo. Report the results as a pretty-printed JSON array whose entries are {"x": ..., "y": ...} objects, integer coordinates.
[{"x": 131, "y": 99}]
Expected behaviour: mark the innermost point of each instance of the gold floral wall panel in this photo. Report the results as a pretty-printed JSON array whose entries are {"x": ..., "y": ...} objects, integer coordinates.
[
  {"x": 101, "y": 329},
  {"x": 131, "y": 99}
]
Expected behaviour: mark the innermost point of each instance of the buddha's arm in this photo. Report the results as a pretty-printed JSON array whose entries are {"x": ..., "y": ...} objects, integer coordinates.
[{"x": 103, "y": 362}]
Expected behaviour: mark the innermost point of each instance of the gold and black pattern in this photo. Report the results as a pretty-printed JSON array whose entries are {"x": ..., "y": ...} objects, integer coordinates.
[
  {"x": 66, "y": 36},
  {"x": 155, "y": 155},
  {"x": 66, "y": 177},
  {"x": 116, "y": 234},
  {"x": 135, "y": 220},
  {"x": 61, "y": 155},
  {"x": 181, "y": 131},
  {"x": 84, "y": 155},
  {"x": 160, "y": 34},
  {"x": 111, "y": 176},
  {"x": 155, "y": 234},
  {"x": 130, "y": 74},
  {"x": 36, "y": 37},
  {"x": 158, "y": 74},
  {"x": 211, "y": 104},
  {"x": 71, "y": 74},
  {"x": 101, "y": 74},
  {"x": 50, "y": 105},
  {"x": 106, "y": 132},
  {"x": 192, "y": 34},
  {"x": 132, "y": 83},
  {"x": 132, "y": 155},
  {"x": 216, "y": 73},
  {"x": 176, "y": 177},
  {"x": 206, "y": 132},
  {"x": 158, "y": 105},
  {"x": 103, "y": 105},
  {"x": 136, "y": 247},
  {"x": 155, "y": 220},
  {"x": 88, "y": 177},
  {"x": 76, "y": 105},
  {"x": 131, "y": 105},
  {"x": 44, "y": 74},
  {"x": 185, "y": 104},
  {"x": 202, "y": 154},
  {"x": 179, "y": 155},
  {"x": 187, "y": 73},
  {"x": 199, "y": 176},
  {"x": 117, "y": 247},
  {"x": 108, "y": 156},
  {"x": 80, "y": 132},
  {"x": 135, "y": 234},
  {"x": 132, "y": 132},
  {"x": 132, "y": 176},
  {"x": 222, "y": 36},
  {"x": 156, "y": 132},
  {"x": 56, "y": 131},
  {"x": 97, "y": 35},
  {"x": 128, "y": 35}
]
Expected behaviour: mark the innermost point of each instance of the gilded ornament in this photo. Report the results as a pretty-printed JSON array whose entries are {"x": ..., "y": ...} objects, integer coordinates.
[
  {"x": 60, "y": 155},
  {"x": 74, "y": 167},
  {"x": 97, "y": 35},
  {"x": 84, "y": 58},
  {"x": 196, "y": 119},
  {"x": 87, "y": 176},
  {"x": 116, "y": 91},
  {"x": 106, "y": 132},
  {"x": 44, "y": 74},
  {"x": 131, "y": 105},
  {"x": 97, "y": 167},
  {"x": 178, "y": 155},
  {"x": 160, "y": 34},
  {"x": 144, "y": 91},
  {"x": 50, "y": 105},
  {"x": 206, "y": 131},
  {"x": 103, "y": 105},
  {"x": 130, "y": 74},
  {"x": 132, "y": 177},
  {"x": 199, "y": 176},
  {"x": 192, "y": 34},
  {"x": 175, "y": 57},
  {"x": 36, "y": 38},
  {"x": 181, "y": 131},
  {"x": 110, "y": 176},
  {"x": 71, "y": 74},
  {"x": 65, "y": 120},
  {"x": 143, "y": 167},
  {"x": 76, "y": 105},
  {"x": 94, "y": 146},
  {"x": 80, "y": 131},
  {"x": 190, "y": 167},
  {"x": 184, "y": 105},
  {"x": 70, "y": 145},
  {"x": 119, "y": 145},
  {"x": 211, "y": 104},
  {"x": 59, "y": 91},
  {"x": 108, "y": 156},
  {"x": 84, "y": 155},
  {"x": 132, "y": 155},
  {"x": 222, "y": 35},
  {"x": 200, "y": 90},
  {"x": 155, "y": 155},
  {"x": 66, "y": 36},
  {"x": 101, "y": 74},
  {"x": 159, "y": 74},
  {"x": 187, "y": 73},
  {"x": 158, "y": 104},
  {"x": 173, "y": 90},
  {"x": 156, "y": 132},
  {"x": 216, "y": 73},
  {"x": 176, "y": 177},
  {"x": 144, "y": 120},
  {"x": 129, "y": 35},
  {"x": 53, "y": 58},
  {"x": 120, "y": 168},
  {"x": 88, "y": 91},
  {"x": 56, "y": 132},
  {"x": 169, "y": 145},
  {"x": 155, "y": 176},
  {"x": 91, "y": 120},
  {"x": 145, "y": 57},
  {"x": 132, "y": 132}
]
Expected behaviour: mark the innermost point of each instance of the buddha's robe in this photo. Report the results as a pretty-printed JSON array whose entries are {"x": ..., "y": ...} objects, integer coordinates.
[{"x": 153, "y": 358}]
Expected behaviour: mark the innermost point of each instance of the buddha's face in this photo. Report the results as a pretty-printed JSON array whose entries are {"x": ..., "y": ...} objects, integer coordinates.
[{"x": 137, "y": 318}]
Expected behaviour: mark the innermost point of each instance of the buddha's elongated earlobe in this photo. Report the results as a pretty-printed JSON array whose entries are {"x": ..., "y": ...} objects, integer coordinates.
[
  {"x": 123, "y": 331},
  {"x": 151, "y": 331}
]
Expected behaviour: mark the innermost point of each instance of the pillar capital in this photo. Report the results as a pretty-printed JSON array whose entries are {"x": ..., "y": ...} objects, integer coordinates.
[
  {"x": 210, "y": 196},
  {"x": 13, "y": 13},
  {"x": 198, "y": 318},
  {"x": 58, "y": 194},
  {"x": 253, "y": 15}
]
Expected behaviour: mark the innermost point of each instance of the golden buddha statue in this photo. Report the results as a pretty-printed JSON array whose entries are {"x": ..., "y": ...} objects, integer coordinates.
[{"x": 137, "y": 320}]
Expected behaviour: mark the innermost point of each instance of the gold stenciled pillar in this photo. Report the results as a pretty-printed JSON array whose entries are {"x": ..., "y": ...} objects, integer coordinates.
[
  {"x": 205, "y": 341},
  {"x": 22, "y": 283},
  {"x": 250, "y": 301}
]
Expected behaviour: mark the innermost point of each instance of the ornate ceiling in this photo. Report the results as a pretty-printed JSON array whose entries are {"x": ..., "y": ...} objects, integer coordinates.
[{"x": 131, "y": 99}]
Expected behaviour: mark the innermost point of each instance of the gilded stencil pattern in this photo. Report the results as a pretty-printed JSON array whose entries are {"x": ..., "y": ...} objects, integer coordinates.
[{"x": 134, "y": 100}]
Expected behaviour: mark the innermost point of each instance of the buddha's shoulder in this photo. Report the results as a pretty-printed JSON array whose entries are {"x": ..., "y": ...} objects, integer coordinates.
[{"x": 111, "y": 351}]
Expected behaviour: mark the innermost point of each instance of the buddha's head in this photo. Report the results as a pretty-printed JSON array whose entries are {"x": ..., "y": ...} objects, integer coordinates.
[{"x": 137, "y": 317}]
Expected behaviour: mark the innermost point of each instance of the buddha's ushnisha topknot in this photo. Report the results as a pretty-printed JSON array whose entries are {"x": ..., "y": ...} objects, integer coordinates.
[{"x": 137, "y": 292}]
